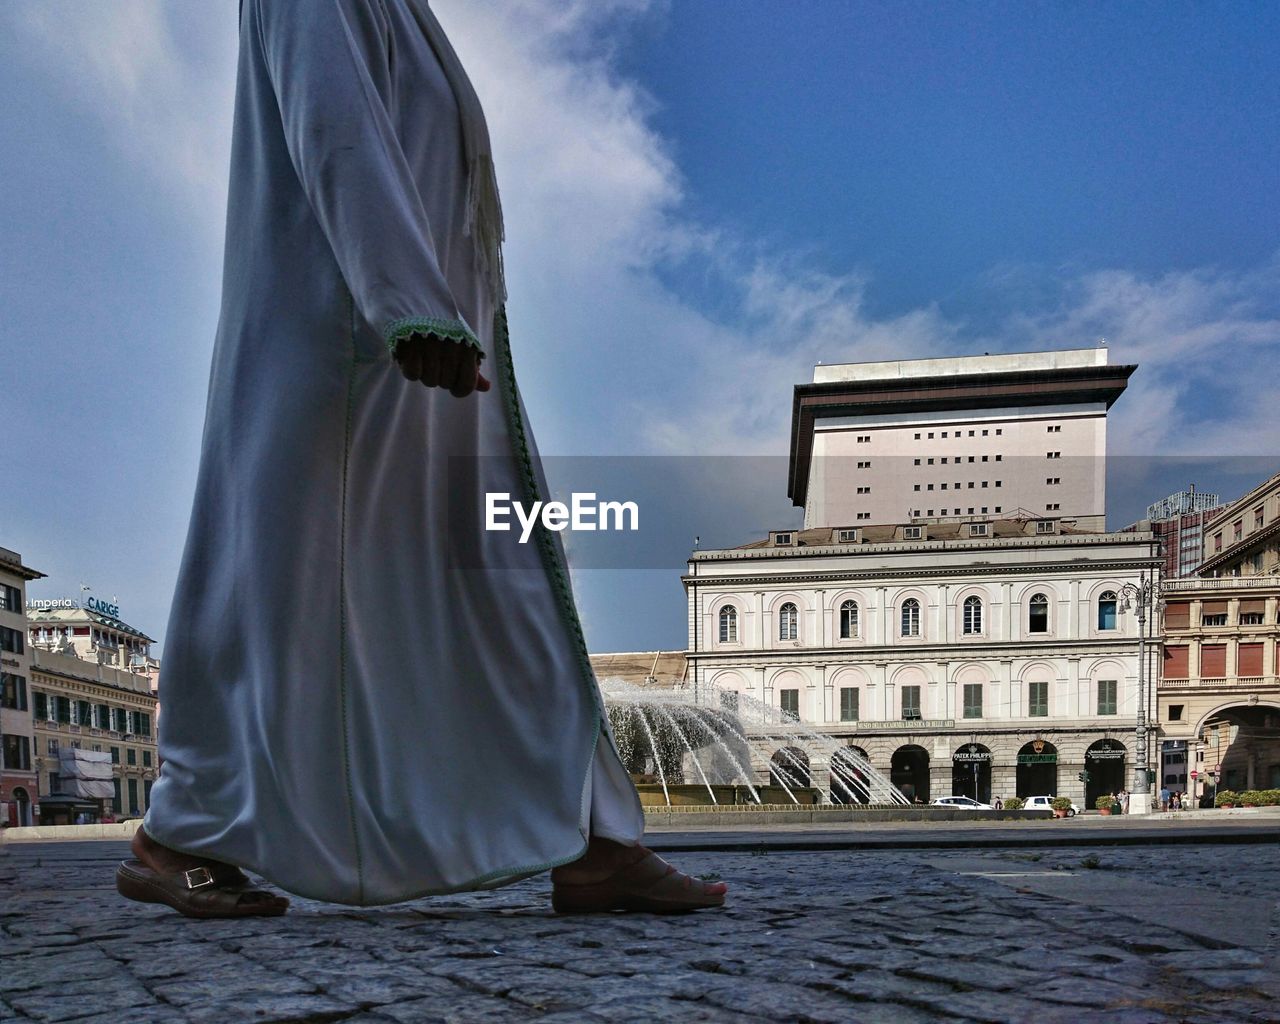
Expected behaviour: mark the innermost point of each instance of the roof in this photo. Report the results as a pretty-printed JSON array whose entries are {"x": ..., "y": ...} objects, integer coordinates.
[
  {"x": 941, "y": 366},
  {"x": 933, "y": 531},
  {"x": 641, "y": 667},
  {"x": 72, "y": 615},
  {"x": 11, "y": 561}
]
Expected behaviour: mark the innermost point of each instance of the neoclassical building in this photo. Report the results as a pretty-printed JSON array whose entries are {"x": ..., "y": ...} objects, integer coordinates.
[{"x": 985, "y": 658}]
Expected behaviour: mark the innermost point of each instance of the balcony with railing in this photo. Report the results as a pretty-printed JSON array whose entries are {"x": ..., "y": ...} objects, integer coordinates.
[
  {"x": 1221, "y": 683},
  {"x": 1181, "y": 586}
]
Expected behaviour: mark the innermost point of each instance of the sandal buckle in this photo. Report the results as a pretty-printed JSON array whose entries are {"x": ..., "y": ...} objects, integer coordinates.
[{"x": 198, "y": 878}]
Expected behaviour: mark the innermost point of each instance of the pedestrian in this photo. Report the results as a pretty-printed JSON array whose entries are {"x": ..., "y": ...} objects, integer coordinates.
[
  {"x": 1164, "y": 798},
  {"x": 1124, "y": 801},
  {"x": 369, "y": 697},
  {"x": 999, "y": 804},
  {"x": 1176, "y": 802}
]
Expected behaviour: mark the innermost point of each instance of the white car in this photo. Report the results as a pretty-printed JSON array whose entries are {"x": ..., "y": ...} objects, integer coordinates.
[
  {"x": 961, "y": 803},
  {"x": 1045, "y": 803}
]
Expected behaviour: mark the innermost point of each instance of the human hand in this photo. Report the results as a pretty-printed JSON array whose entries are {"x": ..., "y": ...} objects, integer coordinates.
[{"x": 440, "y": 363}]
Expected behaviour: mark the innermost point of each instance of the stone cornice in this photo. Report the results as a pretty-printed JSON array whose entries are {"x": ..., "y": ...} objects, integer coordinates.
[
  {"x": 1002, "y": 650},
  {"x": 893, "y": 577}
]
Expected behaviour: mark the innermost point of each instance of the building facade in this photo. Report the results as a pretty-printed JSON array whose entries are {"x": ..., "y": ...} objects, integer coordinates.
[
  {"x": 77, "y": 703},
  {"x": 1243, "y": 538},
  {"x": 18, "y": 788},
  {"x": 988, "y": 659},
  {"x": 983, "y": 437}
]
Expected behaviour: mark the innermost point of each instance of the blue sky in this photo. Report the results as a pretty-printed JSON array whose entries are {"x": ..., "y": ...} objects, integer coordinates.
[{"x": 703, "y": 200}]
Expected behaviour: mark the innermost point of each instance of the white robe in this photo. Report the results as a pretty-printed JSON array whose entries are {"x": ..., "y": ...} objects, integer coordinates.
[{"x": 367, "y": 697}]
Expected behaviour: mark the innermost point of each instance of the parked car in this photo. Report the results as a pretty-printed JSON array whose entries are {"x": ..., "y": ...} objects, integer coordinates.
[
  {"x": 961, "y": 803},
  {"x": 1045, "y": 803}
]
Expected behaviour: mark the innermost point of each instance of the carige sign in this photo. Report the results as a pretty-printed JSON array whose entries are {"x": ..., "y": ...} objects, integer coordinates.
[{"x": 102, "y": 608}]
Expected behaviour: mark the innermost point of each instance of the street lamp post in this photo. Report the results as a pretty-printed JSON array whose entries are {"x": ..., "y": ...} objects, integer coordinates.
[{"x": 1138, "y": 596}]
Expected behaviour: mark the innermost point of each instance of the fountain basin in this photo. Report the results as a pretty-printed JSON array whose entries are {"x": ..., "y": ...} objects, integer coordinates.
[{"x": 684, "y": 794}]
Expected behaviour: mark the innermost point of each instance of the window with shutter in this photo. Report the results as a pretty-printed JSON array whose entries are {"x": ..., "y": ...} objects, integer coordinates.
[{"x": 1213, "y": 661}]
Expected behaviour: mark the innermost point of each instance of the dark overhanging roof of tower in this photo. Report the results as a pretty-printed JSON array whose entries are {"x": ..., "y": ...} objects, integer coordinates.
[{"x": 960, "y": 392}]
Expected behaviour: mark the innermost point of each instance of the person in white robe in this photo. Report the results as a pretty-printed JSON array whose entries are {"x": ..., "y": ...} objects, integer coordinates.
[{"x": 367, "y": 696}]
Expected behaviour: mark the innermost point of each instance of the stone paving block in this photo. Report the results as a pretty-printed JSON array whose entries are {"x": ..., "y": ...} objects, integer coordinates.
[{"x": 52, "y": 1004}]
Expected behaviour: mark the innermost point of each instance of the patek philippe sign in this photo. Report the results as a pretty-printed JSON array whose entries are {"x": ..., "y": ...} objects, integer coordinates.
[{"x": 972, "y": 753}]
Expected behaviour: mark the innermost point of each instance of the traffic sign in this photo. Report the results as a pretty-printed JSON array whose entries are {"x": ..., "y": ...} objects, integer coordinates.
[{"x": 1195, "y": 775}]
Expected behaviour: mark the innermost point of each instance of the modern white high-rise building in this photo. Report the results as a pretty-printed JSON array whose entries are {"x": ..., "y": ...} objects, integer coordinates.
[{"x": 975, "y": 437}]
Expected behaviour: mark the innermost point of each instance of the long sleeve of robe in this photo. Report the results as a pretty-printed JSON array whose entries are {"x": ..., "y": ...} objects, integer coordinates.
[{"x": 366, "y": 695}]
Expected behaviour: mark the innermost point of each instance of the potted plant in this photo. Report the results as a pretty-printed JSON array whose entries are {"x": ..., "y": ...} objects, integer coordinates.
[
  {"x": 1250, "y": 798},
  {"x": 1105, "y": 804},
  {"x": 1061, "y": 806},
  {"x": 1013, "y": 803},
  {"x": 1225, "y": 798}
]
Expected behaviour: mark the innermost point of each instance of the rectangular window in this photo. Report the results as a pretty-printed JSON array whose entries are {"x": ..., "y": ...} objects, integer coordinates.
[
  {"x": 55, "y": 783},
  {"x": 146, "y": 759},
  {"x": 84, "y": 713},
  {"x": 13, "y": 691},
  {"x": 910, "y": 702},
  {"x": 1251, "y": 618},
  {"x": 911, "y": 533},
  {"x": 789, "y": 700},
  {"x": 40, "y": 706},
  {"x": 51, "y": 746},
  {"x": 12, "y": 640},
  {"x": 115, "y": 755},
  {"x": 10, "y": 599},
  {"x": 1257, "y": 518},
  {"x": 1038, "y": 699},
  {"x": 63, "y": 709},
  {"x": 115, "y": 800},
  {"x": 130, "y": 756},
  {"x": 848, "y": 703},
  {"x": 133, "y": 796},
  {"x": 1106, "y": 696},
  {"x": 1214, "y": 620},
  {"x": 1237, "y": 529},
  {"x": 847, "y": 536},
  {"x": 16, "y": 752},
  {"x": 972, "y": 700}
]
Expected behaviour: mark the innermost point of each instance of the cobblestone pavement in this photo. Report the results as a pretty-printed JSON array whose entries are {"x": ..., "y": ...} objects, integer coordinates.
[{"x": 1144, "y": 935}]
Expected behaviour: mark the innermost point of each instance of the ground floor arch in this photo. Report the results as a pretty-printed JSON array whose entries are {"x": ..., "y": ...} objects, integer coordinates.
[
  {"x": 849, "y": 783},
  {"x": 1242, "y": 743},
  {"x": 789, "y": 767},
  {"x": 909, "y": 771},
  {"x": 22, "y": 807},
  {"x": 1105, "y": 762},
  {"x": 971, "y": 772},
  {"x": 1037, "y": 769}
]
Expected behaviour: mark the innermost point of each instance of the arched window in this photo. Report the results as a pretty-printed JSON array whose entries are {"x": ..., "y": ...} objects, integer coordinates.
[
  {"x": 1107, "y": 610},
  {"x": 911, "y": 617},
  {"x": 848, "y": 620},
  {"x": 788, "y": 628},
  {"x": 1039, "y": 616},
  {"x": 728, "y": 624},
  {"x": 972, "y": 615}
]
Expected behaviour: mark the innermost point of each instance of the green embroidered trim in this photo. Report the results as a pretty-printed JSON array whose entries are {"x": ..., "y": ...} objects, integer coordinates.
[
  {"x": 546, "y": 540},
  {"x": 342, "y": 606},
  {"x": 450, "y": 330}
]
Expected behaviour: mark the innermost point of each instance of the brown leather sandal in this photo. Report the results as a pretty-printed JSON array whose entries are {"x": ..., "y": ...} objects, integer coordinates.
[
  {"x": 650, "y": 885},
  {"x": 215, "y": 890}
]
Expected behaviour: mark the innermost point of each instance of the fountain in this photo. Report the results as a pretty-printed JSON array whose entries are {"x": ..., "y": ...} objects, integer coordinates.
[{"x": 728, "y": 748}]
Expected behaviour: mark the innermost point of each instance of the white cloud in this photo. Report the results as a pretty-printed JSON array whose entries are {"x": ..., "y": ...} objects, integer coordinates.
[
  {"x": 612, "y": 359},
  {"x": 159, "y": 77}
]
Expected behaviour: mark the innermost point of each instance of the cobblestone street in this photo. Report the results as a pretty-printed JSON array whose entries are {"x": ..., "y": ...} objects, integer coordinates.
[{"x": 1184, "y": 933}]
